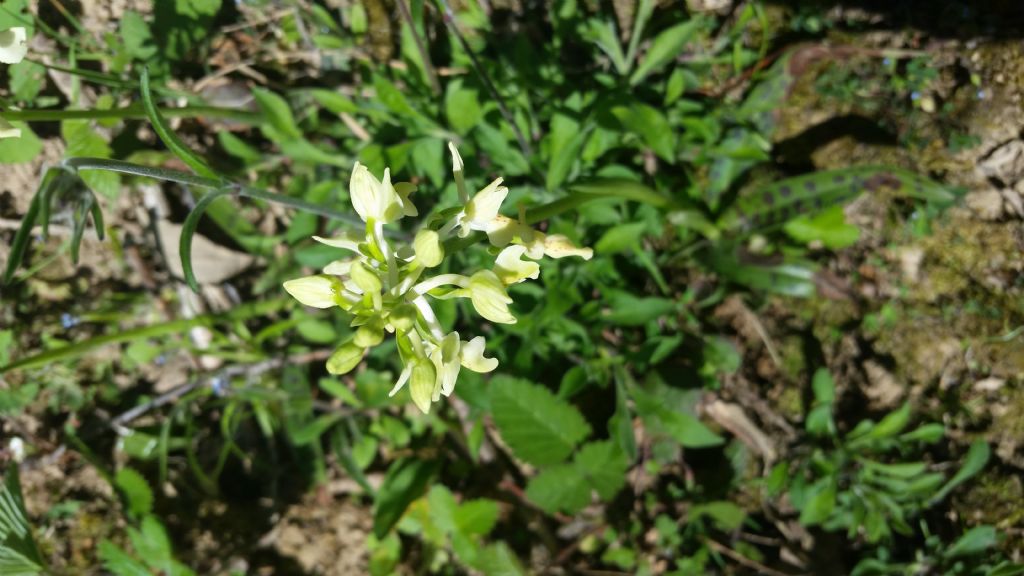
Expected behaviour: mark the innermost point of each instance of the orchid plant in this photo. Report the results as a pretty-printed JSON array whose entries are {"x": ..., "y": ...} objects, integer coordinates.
[{"x": 385, "y": 286}]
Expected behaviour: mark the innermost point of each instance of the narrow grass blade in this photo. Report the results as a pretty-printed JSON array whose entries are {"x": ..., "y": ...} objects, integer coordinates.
[
  {"x": 188, "y": 230},
  {"x": 22, "y": 237},
  {"x": 169, "y": 137}
]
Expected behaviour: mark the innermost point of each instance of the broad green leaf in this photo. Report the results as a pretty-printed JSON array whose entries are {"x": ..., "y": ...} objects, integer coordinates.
[
  {"x": 462, "y": 107},
  {"x": 498, "y": 560},
  {"x": 629, "y": 310},
  {"x": 540, "y": 428},
  {"x": 238, "y": 148},
  {"x": 620, "y": 238},
  {"x": 820, "y": 503},
  {"x": 501, "y": 150},
  {"x": 312, "y": 431},
  {"x": 726, "y": 515},
  {"x": 603, "y": 466},
  {"x": 662, "y": 418},
  {"x": 428, "y": 158},
  {"x": 927, "y": 433},
  {"x": 83, "y": 140},
  {"x": 476, "y": 517},
  {"x": 20, "y": 150},
  {"x": 406, "y": 480},
  {"x": 137, "y": 38},
  {"x": 559, "y": 488},
  {"x": 136, "y": 491},
  {"x": 665, "y": 47},
  {"x": 889, "y": 426},
  {"x": 620, "y": 426},
  {"x": 652, "y": 127}
]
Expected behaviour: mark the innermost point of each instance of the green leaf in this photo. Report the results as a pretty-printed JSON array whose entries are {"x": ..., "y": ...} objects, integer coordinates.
[
  {"x": 684, "y": 428},
  {"x": 163, "y": 130},
  {"x": 136, "y": 491},
  {"x": 603, "y": 466},
  {"x": 665, "y": 47},
  {"x": 628, "y": 310},
  {"x": 405, "y": 481},
  {"x": 620, "y": 426},
  {"x": 652, "y": 127},
  {"x": 540, "y": 428},
  {"x": 775, "y": 204},
  {"x": 238, "y": 148},
  {"x": 281, "y": 122},
  {"x": 428, "y": 158},
  {"x": 462, "y": 107},
  {"x": 391, "y": 97},
  {"x": 118, "y": 562},
  {"x": 83, "y": 140},
  {"x": 603, "y": 34},
  {"x": 977, "y": 457},
  {"x": 820, "y": 503},
  {"x": 476, "y": 517},
  {"x": 975, "y": 541},
  {"x": 188, "y": 230},
  {"x": 498, "y": 560},
  {"x": 137, "y": 38},
  {"x": 620, "y": 238},
  {"x": 559, "y": 488},
  {"x": 891, "y": 425},
  {"x": 18, "y": 551},
  {"x": 501, "y": 151},
  {"x": 20, "y": 150},
  {"x": 312, "y": 431},
  {"x": 726, "y": 515}
]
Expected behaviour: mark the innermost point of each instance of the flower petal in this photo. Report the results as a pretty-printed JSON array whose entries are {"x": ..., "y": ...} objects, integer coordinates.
[
  {"x": 471, "y": 354},
  {"x": 8, "y": 131},
  {"x": 483, "y": 208},
  {"x": 490, "y": 298},
  {"x": 318, "y": 291},
  {"x": 559, "y": 246},
  {"x": 510, "y": 267},
  {"x": 13, "y": 45}
]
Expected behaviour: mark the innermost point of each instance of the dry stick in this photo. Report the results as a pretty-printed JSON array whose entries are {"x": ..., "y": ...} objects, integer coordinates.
[
  {"x": 435, "y": 85},
  {"x": 449, "y": 20},
  {"x": 231, "y": 371},
  {"x": 741, "y": 559}
]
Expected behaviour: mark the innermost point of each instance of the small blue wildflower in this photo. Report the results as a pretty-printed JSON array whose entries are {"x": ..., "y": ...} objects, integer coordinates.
[
  {"x": 218, "y": 385},
  {"x": 69, "y": 321},
  {"x": 981, "y": 94},
  {"x": 887, "y": 61},
  {"x": 160, "y": 360},
  {"x": 915, "y": 95}
]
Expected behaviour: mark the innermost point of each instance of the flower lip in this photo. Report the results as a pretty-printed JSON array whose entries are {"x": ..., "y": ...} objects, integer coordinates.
[{"x": 13, "y": 45}]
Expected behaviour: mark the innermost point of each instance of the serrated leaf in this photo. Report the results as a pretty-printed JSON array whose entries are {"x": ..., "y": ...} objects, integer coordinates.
[
  {"x": 665, "y": 47},
  {"x": 539, "y": 427},
  {"x": 476, "y": 517},
  {"x": 136, "y": 491},
  {"x": 498, "y": 560},
  {"x": 22, "y": 149},
  {"x": 603, "y": 466},
  {"x": 661, "y": 418},
  {"x": 559, "y": 488}
]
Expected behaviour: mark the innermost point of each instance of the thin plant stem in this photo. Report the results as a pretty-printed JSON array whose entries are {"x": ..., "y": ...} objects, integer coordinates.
[
  {"x": 213, "y": 183},
  {"x": 449, "y": 20},
  {"x": 132, "y": 113},
  {"x": 435, "y": 84}
]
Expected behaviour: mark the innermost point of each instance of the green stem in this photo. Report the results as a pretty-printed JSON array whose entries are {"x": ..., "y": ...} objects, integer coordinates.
[
  {"x": 152, "y": 331},
  {"x": 132, "y": 113},
  {"x": 194, "y": 180}
]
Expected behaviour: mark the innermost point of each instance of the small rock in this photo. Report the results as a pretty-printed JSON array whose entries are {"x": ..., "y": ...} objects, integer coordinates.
[
  {"x": 989, "y": 385},
  {"x": 986, "y": 204},
  {"x": 911, "y": 258},
  {"x": 1005, "y": 162}
]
